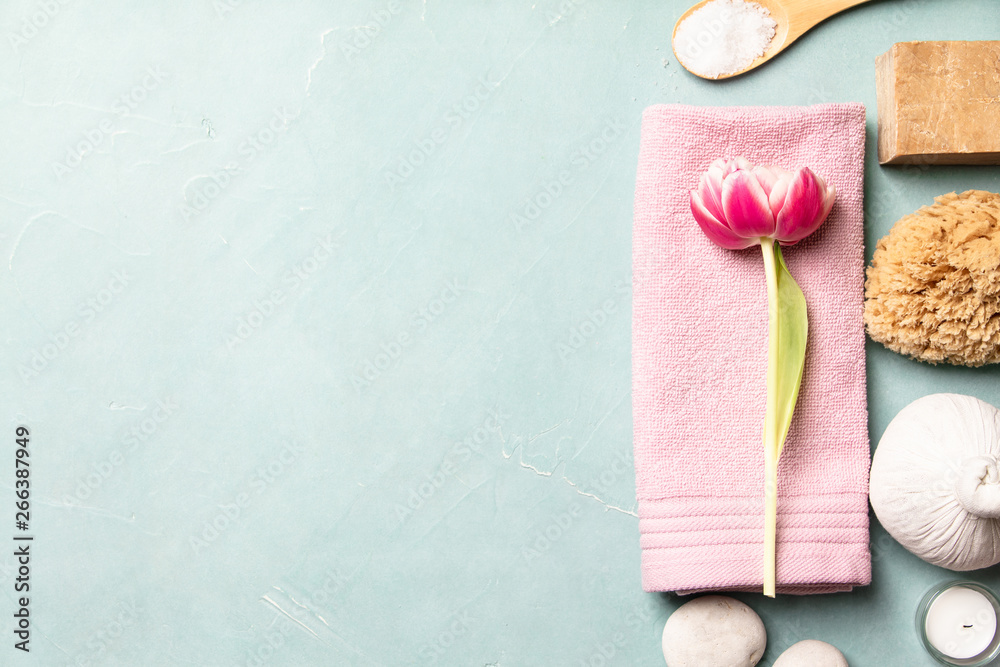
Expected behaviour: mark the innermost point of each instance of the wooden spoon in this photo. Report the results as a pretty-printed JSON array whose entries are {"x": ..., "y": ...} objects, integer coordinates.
[{"x": 794, "y": 18}]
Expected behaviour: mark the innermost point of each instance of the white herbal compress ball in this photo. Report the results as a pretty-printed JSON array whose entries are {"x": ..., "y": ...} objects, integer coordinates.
[{"x": 935, "y": 485}]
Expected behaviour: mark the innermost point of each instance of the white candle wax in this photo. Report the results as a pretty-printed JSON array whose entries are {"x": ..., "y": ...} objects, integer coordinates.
[{"x": 961, "y": 623}]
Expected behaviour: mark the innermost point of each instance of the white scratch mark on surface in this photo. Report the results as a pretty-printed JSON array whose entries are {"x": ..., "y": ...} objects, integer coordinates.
[
  {"x": 600, "y": 422},
  {"x": 288, "y": 595},
  {"x": 606, "y": 504},
  {"x": 543, "y": 473},
  {"x": 586, "y": 204},
  {"x": 312, "y": 68},
  {"x": 535, "y": 263},
  {"x": 532, "y": 438},
  {"x": 313, "y": 614},
  {"x": 399, "y": 252},
  {"x": 14, "y": 201},
  {"x": 49, "y": 638},
  {"x": 13, "y": 251},
  {"x": 185, "y": 147},
  {"x": 115, "y": 406},
  {"x": 551, "y": 474},
  {"x": 519, "y": 56},
  {"x": 97, "y": 511},
  {"x": 292, "y": 618},
  {"x": 451, "y": 509},
  {"x": 525, "y": 464},
  {"x": 65, "y": 103},
  {"x": 502, "y": 313}
]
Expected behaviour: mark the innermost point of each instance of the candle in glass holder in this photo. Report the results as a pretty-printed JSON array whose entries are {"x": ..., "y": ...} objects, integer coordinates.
[{"x": 958, "y": 624}]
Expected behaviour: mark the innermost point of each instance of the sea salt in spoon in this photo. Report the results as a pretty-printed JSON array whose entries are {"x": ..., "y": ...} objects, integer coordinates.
[{"x": 793, "y": 17}]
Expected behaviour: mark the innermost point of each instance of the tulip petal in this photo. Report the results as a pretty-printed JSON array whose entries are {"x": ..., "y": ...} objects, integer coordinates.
[
  {"x": 710, "y": 191},
  {"x": 735, "y": 164},
  {"x": 831, "y": 196},
  {"x": 715, "y": 229},
  {"x": 767, "y": 177},
  {"x": 804, "y": 209},
  {"x": 718, "y": 165},
  {"x": 778, "y": 193},
  {"x": 745, "y": 205},
  {"x": 702, "y": 212}
]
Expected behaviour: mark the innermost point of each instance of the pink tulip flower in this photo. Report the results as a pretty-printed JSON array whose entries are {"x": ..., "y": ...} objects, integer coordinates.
[{"x": 737, "y": 204}]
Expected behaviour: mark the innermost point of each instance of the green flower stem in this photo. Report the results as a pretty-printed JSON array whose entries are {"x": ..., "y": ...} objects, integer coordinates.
[
  {"x": 788, "y": 328},
  {"x": 770, "y": 416}
]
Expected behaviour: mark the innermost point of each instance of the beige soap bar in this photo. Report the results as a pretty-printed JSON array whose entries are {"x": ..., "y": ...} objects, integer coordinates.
[{"x": 939, "y": 103}]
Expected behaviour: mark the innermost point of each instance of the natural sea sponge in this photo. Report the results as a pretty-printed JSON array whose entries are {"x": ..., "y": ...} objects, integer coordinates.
[{"x": 933, "y": 289}]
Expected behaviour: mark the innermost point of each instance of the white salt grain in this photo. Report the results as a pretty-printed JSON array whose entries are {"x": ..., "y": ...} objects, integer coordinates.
[{"x": 723, "y": 37}]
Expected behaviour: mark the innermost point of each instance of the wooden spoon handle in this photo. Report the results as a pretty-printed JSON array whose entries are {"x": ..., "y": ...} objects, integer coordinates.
[{"x": 804, "y": 14}]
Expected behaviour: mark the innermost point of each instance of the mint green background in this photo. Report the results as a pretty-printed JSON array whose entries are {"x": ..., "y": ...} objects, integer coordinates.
[{"x": 497, "y": 413}]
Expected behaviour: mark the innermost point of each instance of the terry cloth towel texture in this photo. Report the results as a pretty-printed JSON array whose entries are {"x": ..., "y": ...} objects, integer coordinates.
[{"x": 699, "y": 359}]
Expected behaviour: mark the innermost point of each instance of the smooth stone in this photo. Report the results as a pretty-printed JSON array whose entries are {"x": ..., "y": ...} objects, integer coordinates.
[
  {"x": 811, "y": 653},
  {"x": 714, "y": 631}
]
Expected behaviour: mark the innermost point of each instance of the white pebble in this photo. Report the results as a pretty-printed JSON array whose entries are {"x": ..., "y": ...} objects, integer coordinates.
[
  {"x": 714, "y": 631},
  {"x": 811, "y": 653},
  {"x": 723, "y": 37}
]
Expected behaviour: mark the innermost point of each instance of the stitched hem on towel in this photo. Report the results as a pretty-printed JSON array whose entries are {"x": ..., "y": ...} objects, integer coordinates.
[{"x": 692, "y": 545}]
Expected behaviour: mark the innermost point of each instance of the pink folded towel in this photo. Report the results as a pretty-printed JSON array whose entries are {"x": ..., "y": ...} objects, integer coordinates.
[{"x": 699, "y": 356}]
